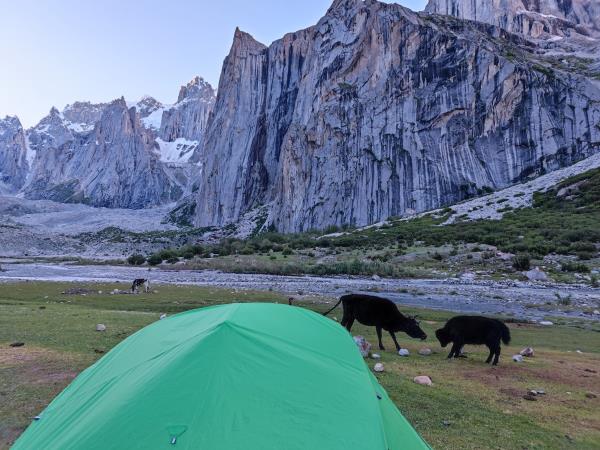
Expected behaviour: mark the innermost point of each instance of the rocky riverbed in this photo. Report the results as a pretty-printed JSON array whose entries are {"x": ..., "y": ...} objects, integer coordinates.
[{"x": 521, "y": 300}]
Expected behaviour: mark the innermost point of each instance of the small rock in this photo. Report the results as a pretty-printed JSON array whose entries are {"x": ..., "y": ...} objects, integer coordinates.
[
  {"x": 363, "y": 346},
  {"x": 590, "y": 370},
  {"x": 423, "y": 379},
  {"x": 538, "y": 391},
  {"x": 425, "y": 352},
  {"x": 591, "y": 395},
  {"x": 100, "y": 292},
  {"x": 546, "y": 323},
  {"x": 530, "y": 397},
  {"x": 376, "y": 277},
  {"x": 162, "y": 316},
  {"x": 596, "y": 312},
  {"x": 517, "y": 358},
  {"x": 98, "y": 350},
  {"x": 527, "y": 352},
  {"x": 100, "y": 327},
  {"x": 375, "y": 355},
  {"x": 446, "y": 423},
  {"x": 403, "y": 352},
  {"x": 17, "y": 344},
  {"x": 379, "y": 367},
  {"x": 578, "y": 351}
]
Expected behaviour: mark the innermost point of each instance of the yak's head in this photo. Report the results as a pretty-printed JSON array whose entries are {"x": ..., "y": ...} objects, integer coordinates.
[
  {"x": 412, "y": 328},
  {"x": 442, "y": 336}
]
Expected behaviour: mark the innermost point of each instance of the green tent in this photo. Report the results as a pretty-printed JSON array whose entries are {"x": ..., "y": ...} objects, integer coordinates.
[{"x": 251, "y": 376}]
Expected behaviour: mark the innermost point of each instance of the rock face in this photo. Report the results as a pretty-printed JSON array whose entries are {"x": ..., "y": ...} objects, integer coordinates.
[
  {"x": 188, "y": 117},
  {"x": 533, "y": 18},
  {"x": 114, "y": 165},
  {"x": 13, "y": 155},
  {"x": 376, "y": 111},
  {"x": 114, "y": 155}
]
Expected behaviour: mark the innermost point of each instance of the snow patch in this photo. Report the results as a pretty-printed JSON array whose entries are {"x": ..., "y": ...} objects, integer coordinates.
[
  {"x": 154, "y": 119},
  {"x": 178, "y": 151}
]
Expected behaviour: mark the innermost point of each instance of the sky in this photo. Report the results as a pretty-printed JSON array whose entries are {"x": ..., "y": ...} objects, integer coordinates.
[{"x": 55, "y": 52}]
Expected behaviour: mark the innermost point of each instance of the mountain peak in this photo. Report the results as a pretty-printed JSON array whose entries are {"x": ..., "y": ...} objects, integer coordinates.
[{"x": 196, "y": 88}]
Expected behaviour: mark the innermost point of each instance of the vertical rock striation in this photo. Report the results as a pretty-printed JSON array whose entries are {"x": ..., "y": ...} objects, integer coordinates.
[
  {"x": 377, "y": 111},
  {"x": 13, "y": 155}
]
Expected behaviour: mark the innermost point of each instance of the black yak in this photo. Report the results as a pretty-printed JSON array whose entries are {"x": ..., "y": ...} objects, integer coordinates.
[
  {"x": 478, "y": 330},
  {"x": 380, "y": 313},
  {"x": 140, "y": 282}
]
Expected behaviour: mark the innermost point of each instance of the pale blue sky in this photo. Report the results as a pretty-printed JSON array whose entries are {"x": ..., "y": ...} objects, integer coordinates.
[{"x": 57, "y": 51}]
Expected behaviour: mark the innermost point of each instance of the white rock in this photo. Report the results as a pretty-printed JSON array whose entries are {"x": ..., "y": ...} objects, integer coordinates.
[
  {"x": 100, "y": 327},
  {"x": 423, "y": 379},
  {"x": 379, "y": 367},
  {"x": 375, "y": 355},
  {"x": 517, "y": 358},
  {"x": 363, "y": 346},
  {"x": 536, "y": 274},
  {"x": 376, "y": 277},
  {"x": 528, "y": 352},
  {"x": 546, "y": 323},
  {"x": 403, "y": 352},
  {"x": 425, "y": 351},
  {"x": 162, "y": 316}
]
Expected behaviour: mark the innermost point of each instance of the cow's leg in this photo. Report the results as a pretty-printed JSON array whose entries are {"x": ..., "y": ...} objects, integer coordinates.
[
  {"x": 492, "y": 350},
  {"x": 455, "y": 350},
  {"x": 497, "y": 356},
  {"x": 381, "y": 347},
  {"x": 349, "y": 323},
  {"x": 395, "y": 340}
]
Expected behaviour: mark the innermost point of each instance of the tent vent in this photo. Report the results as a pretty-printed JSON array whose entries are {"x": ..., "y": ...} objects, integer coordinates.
[{"x": 174, "y": 440}]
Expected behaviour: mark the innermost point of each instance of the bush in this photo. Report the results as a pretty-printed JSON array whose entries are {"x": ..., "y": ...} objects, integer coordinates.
[
  {"x": 521, "y": 262},
  {"x": 287, "y": 251},
  {"x": 155, "y": 259},
  {"x": 136, "y": 259},
  {"x": 173, "y": 260},
  {"x": 574, "y": 267}
]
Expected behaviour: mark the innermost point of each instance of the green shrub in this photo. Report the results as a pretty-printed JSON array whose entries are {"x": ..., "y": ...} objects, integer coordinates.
[
  {"x": 521, "y": 262},
  {"x": 136, "y": 259},
  {"x": 287, "y": 251},
  {"x": 155, "y": 259},
  {"x": 574, "y": 267}
]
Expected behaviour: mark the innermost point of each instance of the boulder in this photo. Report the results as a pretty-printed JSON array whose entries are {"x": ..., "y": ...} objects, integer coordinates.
[
  {"x": 517, "y": 358},
  {"x": 423, "y": 379},
  {"x": 363, "y": 346},
  {"x": 403, "y": 352},
  {"x": 100, "y": 327},
  {"x": 536, "y": 274},
  {"x": 379, "y": 367},
  {"x": 527, "y": 352},
  {"x": 376, "y": 277},
  {"x": 546, "y": 323},
  {"x": 591, "y": 395}
]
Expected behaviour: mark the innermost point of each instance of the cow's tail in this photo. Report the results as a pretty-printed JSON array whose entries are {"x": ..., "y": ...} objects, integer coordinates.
[
  {"x": 336, "y": 305},
  {"x": 505, "y": 334}
]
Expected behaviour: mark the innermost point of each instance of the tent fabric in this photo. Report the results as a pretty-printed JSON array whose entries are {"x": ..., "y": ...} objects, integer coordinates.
[{"x": 251, "y": 376}]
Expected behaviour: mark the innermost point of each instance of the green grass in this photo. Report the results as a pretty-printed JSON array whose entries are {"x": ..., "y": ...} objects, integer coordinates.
[{"x": 470, "y": 406}]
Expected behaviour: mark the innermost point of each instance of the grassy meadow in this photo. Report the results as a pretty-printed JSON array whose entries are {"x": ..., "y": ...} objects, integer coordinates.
[{"x": 470, "y": 406}]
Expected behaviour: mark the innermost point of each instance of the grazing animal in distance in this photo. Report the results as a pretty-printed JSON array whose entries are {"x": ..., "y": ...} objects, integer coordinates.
[
  {"x": 135, "y": 287},
  {"x": 380, "y": 313},
  {"x": 477, "y": 330}
]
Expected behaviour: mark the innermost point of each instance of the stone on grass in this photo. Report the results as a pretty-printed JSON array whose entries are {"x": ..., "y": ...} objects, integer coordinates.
[
  {"x": 376, "y": 277},
  {"x": 17, "y": 344},
  {"x": 425, "y": 352},
  {"x": 527, "y": 352},
  {"x": 363, "y": 346},
  {"x": 536, "y": 274},
  {"x": 100, "y": 327},
  {"x": 423, "y": 379},
  {"x": 530, "y": 397},
  {"x": 546, "y": 323},
  {"x": 517, "y": 358},
  {"x": 162, "y": 316},
  {"x": 375, "y": 355},
  {"x": 379, "y": 367},
  {"x": 403, "y": 352},
  {"x": 591, "y": 395}
]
